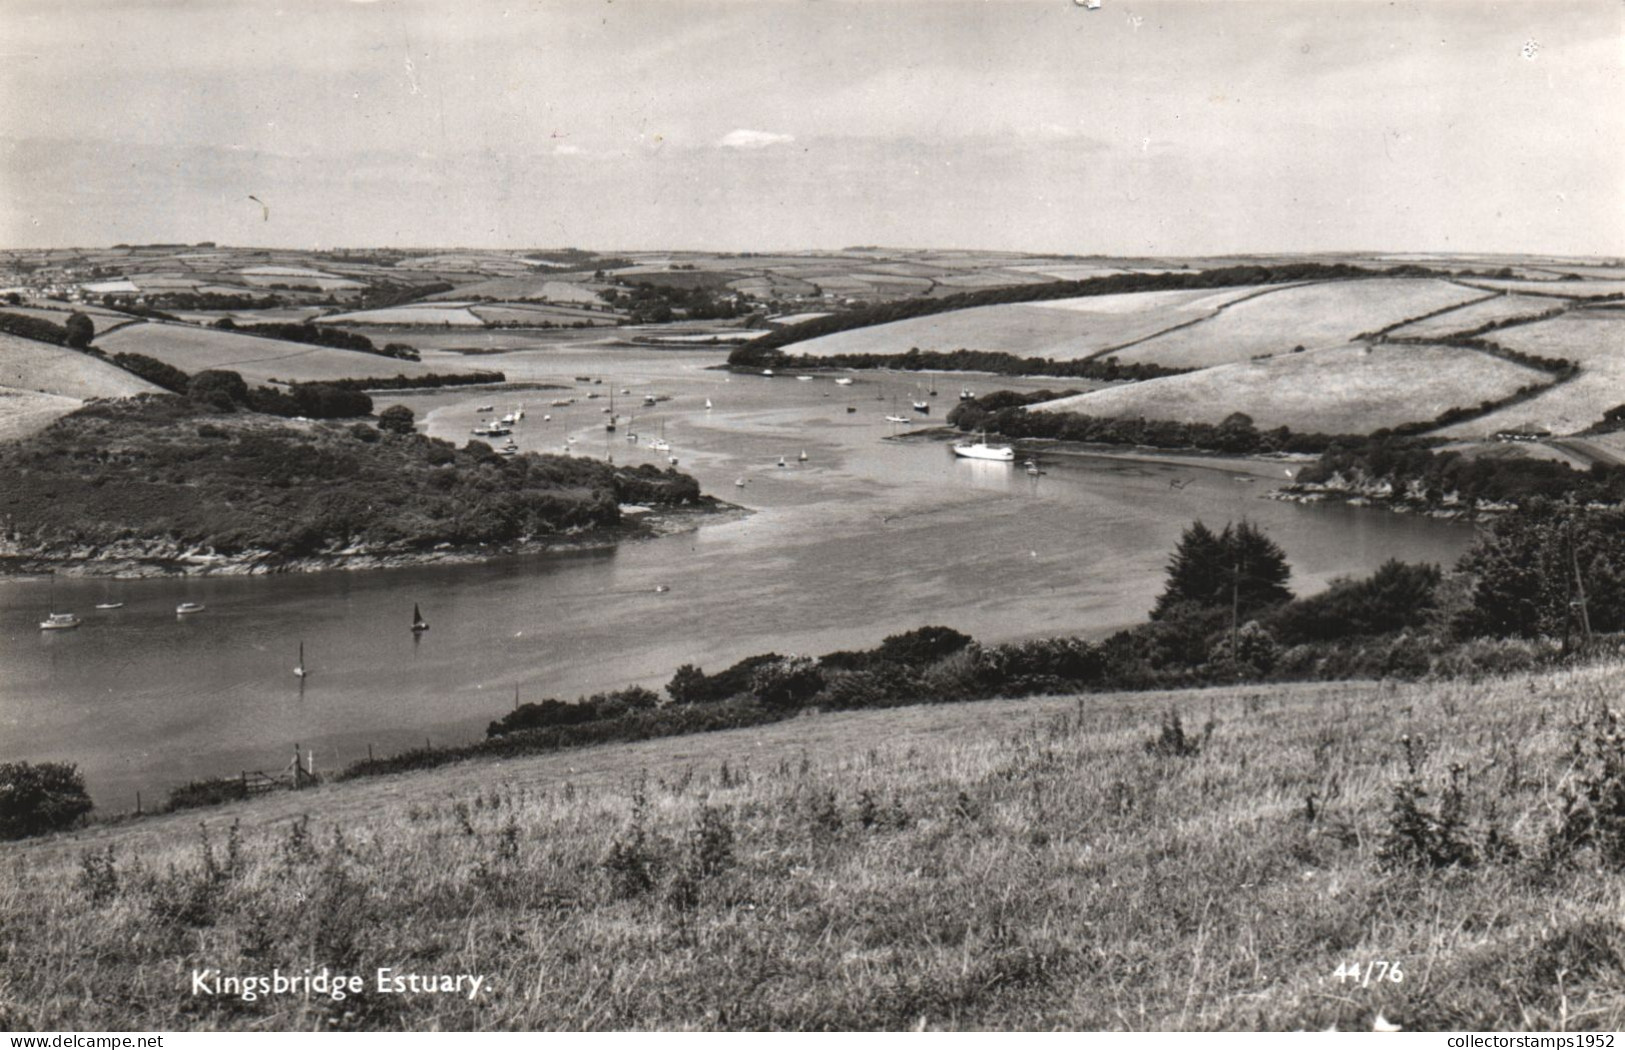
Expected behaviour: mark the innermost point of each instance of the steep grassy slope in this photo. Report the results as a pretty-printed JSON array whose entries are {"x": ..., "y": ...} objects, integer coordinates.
[
  {"x": 256, "y": 359},
  {"x": 26, "y": 364},
  {"x": 1313, "y": 316},
  {"x": 1031, "y": 864},
  {"x": 1346, "y": 390},
  {"x": 1062, "y": 329},
  {"x": 1595, "y": 339}
]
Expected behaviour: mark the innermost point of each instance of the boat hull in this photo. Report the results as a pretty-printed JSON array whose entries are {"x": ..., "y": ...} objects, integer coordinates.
[{"x": 998, "y": 453}]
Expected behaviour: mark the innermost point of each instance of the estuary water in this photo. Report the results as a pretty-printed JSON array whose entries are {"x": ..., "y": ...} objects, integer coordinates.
[{"x": 865, "y": 537}]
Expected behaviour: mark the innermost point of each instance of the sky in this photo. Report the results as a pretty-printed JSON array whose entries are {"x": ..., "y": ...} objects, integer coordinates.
[{"x": 1142, "y": 127}]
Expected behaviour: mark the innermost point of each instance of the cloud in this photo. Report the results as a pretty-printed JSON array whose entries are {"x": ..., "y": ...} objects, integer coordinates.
[{"x": 743, "y": 138}]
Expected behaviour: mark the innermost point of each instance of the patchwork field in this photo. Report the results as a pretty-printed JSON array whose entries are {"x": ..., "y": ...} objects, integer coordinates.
[
  {"x": 1563, "y": 289},
  {"x": 1474, "y": 315},
  {"x": 540, "y": 287},
  {"x": 1349, "y": 389},
  {"x": 57, "y": 313},
  {"x": 1314, "y": 316},
  {"x": 47, "y": 369},
  {"x": 258, "y": 360},
  {"x": 1062, "y": 329},
  {"x": 1594, "y": 338},
  {"x": 438, "y": 316}
]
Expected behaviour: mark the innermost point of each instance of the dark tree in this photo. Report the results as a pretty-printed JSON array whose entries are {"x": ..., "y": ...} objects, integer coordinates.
[
  {"x": 81, "y": 330},
  {"x": 688, "y": 686},
  {"x": 218, "y": 389},
  {"x": 37, "y": 799},
  {"x": 1239, "y": 567},
  {"x": 1540, "y": 568},
  {"x": 397, "y": 419}
]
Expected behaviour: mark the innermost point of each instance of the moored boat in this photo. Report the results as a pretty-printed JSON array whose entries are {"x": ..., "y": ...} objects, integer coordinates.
[
  {"x": 418, "y": 622},
  {"x": 187, "y": 608},
  {"x": 982, "y": 450},
  {"x": 59, "y": 622}
]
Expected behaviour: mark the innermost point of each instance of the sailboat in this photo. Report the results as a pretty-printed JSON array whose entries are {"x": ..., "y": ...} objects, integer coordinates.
[
  {"x": 300, "y": 671},
  {"x": 109, "y": 603},
  {"x": 609, "y": 425},
  {"x": 418, "y": 622},
  {"x": 660, "y": 444},
  {"x": 894, "y": 417},
  {"x": 56, "y": 621},
  {"x": 803, "y": 456},
  {"x": 707, "y": 403}
]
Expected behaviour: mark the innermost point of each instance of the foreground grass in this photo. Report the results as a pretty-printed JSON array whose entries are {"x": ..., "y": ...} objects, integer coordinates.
[{"x": 1023, "y": 864}]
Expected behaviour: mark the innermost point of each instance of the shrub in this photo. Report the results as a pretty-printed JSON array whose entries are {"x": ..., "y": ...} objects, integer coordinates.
[
  {"x": 1394, "y": 597},
  {"x": 1172, "y": 741},
  {"x": 1593, "y": 814},
  {"x": 397, "y": 419},
  {"x": 35, "y": 799},
  {"x": 788, "y": 682},
  {"x": 80, "y": 330},
  {"x": 1419, "y": 837}
]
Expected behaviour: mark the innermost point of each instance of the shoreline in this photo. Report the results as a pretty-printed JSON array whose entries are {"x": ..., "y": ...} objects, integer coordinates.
[
  {"x": 637, "y": 523},
  {"x": 1261, "y": 465}
]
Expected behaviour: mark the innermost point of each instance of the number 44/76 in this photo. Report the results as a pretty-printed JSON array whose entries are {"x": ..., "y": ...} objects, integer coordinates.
[{"x": 1374, "y": 972}]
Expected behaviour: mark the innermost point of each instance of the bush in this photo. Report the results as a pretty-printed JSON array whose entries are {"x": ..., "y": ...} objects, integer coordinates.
[
  {"x": 35, "y": 799},
  {"x": 80, "y": 330},
  {"x": 788, "y": 682},
  {"x": 1393, "y": 598},
  {"x": 397, "y": 419}
]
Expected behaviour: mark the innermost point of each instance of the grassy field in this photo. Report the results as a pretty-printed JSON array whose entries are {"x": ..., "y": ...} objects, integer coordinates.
[
  {"x": 47, "y": 369},
  {"x": 539, "y": 286},
  {"x": 1596, "y": 339},
  {"x": 25, "y": 412},
  {"x": 432, "y": 315},
  {"x": 1474, "y": 315},
  {"x": 1030, "y": 864},
  {"x": 1314, "y": 316},
  {"x": 1565, "y": 289},
  {"x": 259, "y": 360},
  {"x": 1347, "y": 390},
  {"x": 1061, "y": 329}
]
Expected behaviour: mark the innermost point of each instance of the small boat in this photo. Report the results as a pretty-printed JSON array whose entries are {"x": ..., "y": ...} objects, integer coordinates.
[
  {"x": 803, "y": 456},
  {"x": 510, "y": 419},
  {"x": 594, "y": 395},
  {"x": 584, "y": 379},
  {"x": 661, "y": 588},
  {"x": 648, "y": 399},
  {"x": 708, "y": 403},
  {"x": 300, "y": 671},
  {"x": 418, "y": 622},
  {"x": 561, "y": 402},
  {"x": 898, "y": 419},
  {"x": 187, "y": 608},
  {"x": 739, "y": 483},
  {"x": 110, "y": 605},
  {"x": 965, "y": 394},
  {"x": 844, "y": 381},
  {"x": 804, "y": 379},
  {"x": 982, "y": 450},
  {"x": 508, "y": 450},
  {"x": 486, "y": 408},
  {"x": 660, "y": 445},
  {"x": 495, "y": 431},
  {"x": 923, "y": 407},
  {"x": 782, "y": 463},
  {"x": 672, "y": 460},
  {"x": 59, "y": 622},
  {"x": 767, "y": 371},
  {"x": 547, "y": 419},
  {"x": 850, "y": 409}
]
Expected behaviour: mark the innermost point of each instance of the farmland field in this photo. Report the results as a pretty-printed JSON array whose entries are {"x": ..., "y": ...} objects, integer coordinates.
[
  {"x": 1317, "y": 315},
  {"x": 25, "y": 412},
  {"x": 1595, "y": 339},
  {"x": 1062, "y": 329},
  {"x": 1349, "y": 389},
  {"x": 258, "y": 360},
  {"x": 457, "y": 316},
  {"x": 1564, "y": 289},
  {"x": 55, "y": 313},
  {"x": 545, "y": 288},
  {"x": 42, "y": 367},
  {"x": 1473, "y": 315},
  {"x": 504, "y": 313}
]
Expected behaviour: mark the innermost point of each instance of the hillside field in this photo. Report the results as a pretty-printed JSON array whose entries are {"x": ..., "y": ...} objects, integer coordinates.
[
  {"x": 1061, "y": 329},
  {"x": 1475, "y": 314},
  {"x": 1344, "y": 390},
  {"x": 1314, "y": 316},
  {"x": 1596, "y": 339},
  {"x": 48, "y": 369},
  {"x": 1028, "y": 864},
  {"x": 258, "y": 360}
]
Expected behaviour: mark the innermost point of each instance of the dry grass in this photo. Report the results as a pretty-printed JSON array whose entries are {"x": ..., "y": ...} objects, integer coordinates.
[
  {"x": 1319, "y": 315},
  {"x": 1062, "y": 329},
  {"x": 1348, "y": 390},
  {"x": 48, "y": 369},
  {"x": 999, "y": 865},
  {"x": 1474, "y": 315},
  {"x": 25, "y": 412},
  {"x": 258, "y": 360},
  {"x": 1596, "y": 339},
  {"x": 1566, "y": 289},
  {"x": 456, "y": 316}
]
